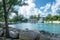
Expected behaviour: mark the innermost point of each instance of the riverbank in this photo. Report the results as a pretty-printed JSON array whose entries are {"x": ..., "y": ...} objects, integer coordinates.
[
  {"x": 28, "y": 22},
  {"x": 52, "y": 22}
]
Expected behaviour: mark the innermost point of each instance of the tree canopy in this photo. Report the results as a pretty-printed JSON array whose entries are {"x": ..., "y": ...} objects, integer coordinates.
[
  {"x": 10, "y": 7},
  {"x": 6, "y": 7},
  {"x": 49, "y": 17}
]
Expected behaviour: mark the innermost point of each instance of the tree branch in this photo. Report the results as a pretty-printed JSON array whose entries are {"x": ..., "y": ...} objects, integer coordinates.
[{"x": 9, "y": 7}]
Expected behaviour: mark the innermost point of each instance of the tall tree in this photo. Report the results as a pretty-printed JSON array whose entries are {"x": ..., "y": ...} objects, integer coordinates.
[
  {"x": 5, "y": 16},
  {"x": 8, "y": 7}
]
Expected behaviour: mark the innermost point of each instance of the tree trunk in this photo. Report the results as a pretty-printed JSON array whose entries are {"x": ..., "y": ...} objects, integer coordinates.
[{"x": 6, "y": 18}]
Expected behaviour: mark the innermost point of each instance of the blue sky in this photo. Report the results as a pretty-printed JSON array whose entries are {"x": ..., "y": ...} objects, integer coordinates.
[
  {"x": 43, "y": 2},
  {"x": 42, "y": 7},
  {"x": 40, "y": 3}
]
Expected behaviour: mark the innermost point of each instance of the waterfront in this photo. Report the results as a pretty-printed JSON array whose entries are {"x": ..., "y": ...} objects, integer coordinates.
[{"x": 49, "y": 27}]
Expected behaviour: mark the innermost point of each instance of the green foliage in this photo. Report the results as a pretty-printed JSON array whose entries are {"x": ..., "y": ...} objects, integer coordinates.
[
  {"x": 1, "y": 17},
  {"x": 10, "y": 7},
  {"x": 32, "y": 17},
  {"x": 17, "y": 18},
  {"x": 37, "y": 17},
  {"x": 49, "y": 17}
]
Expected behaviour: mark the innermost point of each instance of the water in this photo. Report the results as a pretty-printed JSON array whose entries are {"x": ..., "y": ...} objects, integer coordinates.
[{"x": 50, "y": 27}]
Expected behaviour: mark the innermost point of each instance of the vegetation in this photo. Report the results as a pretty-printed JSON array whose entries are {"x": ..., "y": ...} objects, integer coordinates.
[
  {"x": 37, "y": 17},
  {"x": 6, "y": 7},
  {"x": 49, "y": 17},
  {"x": 17, "y": 18}
]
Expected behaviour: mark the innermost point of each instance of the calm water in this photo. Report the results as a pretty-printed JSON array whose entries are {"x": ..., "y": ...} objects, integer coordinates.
[{"x": 53, "y": 28}]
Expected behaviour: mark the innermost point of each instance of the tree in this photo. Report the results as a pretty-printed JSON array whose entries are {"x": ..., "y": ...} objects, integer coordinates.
[
  {"x": 55, "y": 17},
  {"x": 33, "y": 17},
  {"x": 1, "y": 8},
  {"x": 18, "y": 18},
  {"x": 1, "y": 17},
  {"x": 8, "y": 7},
  {"x": 48, "y": 17},
  {"x": 38, "y": 17}
]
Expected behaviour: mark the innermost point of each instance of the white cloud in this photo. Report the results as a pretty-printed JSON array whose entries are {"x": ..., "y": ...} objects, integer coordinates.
[
  {"x": 29, "y": 9},
  {"x": 12, "y": 15},
  {"x": 55, "y": 7},
  {"x": 46, "y": 7},
  {"x": 41, "y": 8}
]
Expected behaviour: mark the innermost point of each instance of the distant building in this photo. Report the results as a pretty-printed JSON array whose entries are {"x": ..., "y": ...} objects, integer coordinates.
[
  {"x": 32, "y": 20},
  {"x": 41, "y": 20}
]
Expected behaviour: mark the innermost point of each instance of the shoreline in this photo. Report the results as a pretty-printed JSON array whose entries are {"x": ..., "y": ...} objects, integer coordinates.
[{"x": 57, "y": 22}]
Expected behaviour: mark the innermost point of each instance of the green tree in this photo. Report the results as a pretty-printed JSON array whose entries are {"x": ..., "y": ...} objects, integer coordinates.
[
  {"x": 18, "y": 18},
  {"x": 38, "y": 17},
  {"x": 55, "y": 17},
  {"x": 58, "y": 17},
  {"x": 7, "y": 7},
  {"x": 33, "y": 17},
  {"x": 48, "y": 17},
  {"x": 1, "y": 8},
  {"x": 52, "y": 18}
]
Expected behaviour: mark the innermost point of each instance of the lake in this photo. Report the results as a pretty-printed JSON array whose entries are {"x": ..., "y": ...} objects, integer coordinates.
[{"x": 49, "y": 27}]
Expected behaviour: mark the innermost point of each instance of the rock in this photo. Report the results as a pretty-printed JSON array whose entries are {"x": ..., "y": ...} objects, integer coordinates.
[
  {"x": 48, "y": 36},
  {"x": 1, "y": 31},
  {"x": 1, "y": 38},
  {"x": 28, "y": 35},
  {"x": 12, "y": 39},
  {"x": 13, "y": 33},
  {"x": 8, "y": 39},
  {"x": 16, "y": 39}
]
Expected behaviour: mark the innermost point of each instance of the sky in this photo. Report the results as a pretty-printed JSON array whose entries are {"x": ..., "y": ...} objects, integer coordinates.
[{"x": 42, "y": 7}]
